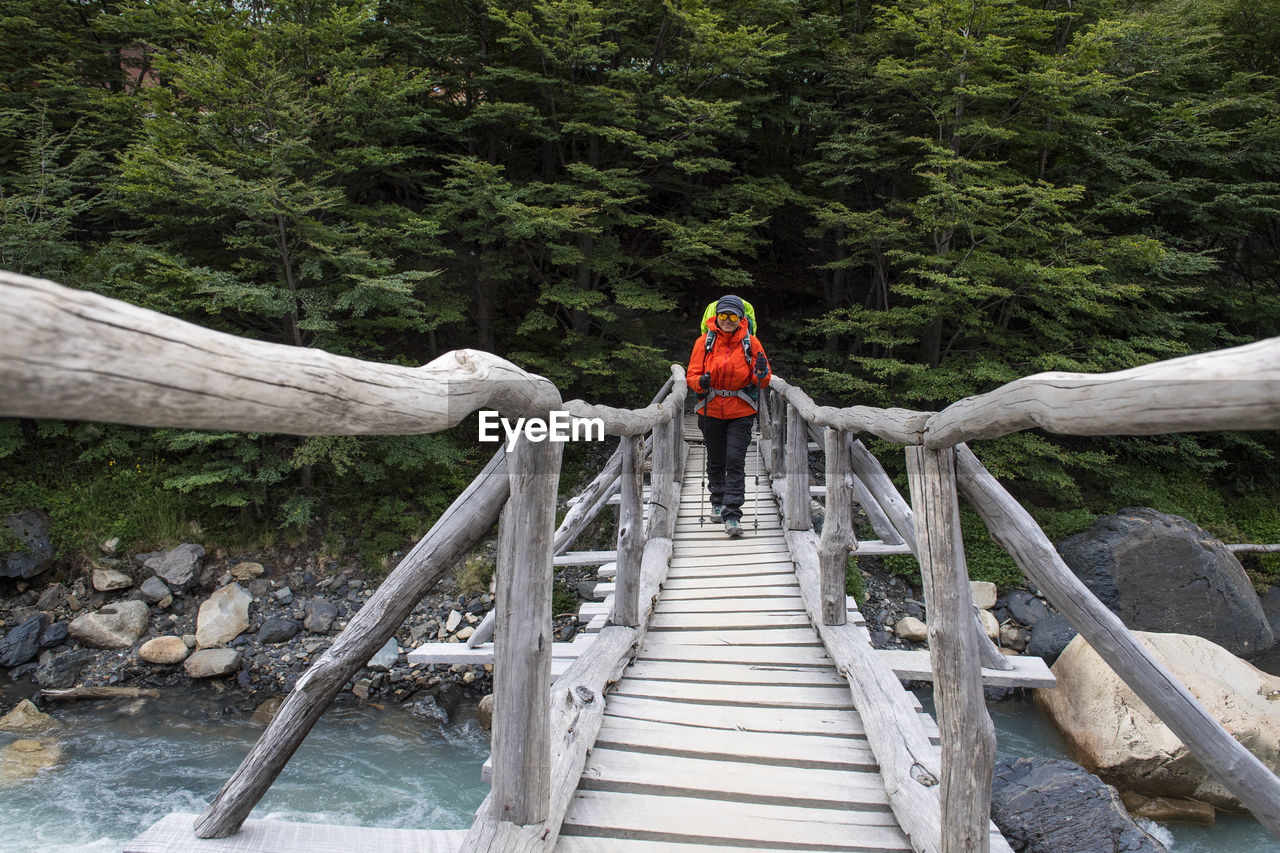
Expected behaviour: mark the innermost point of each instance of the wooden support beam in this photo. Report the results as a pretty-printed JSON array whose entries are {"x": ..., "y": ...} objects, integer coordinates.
[
  {"x": 467, "y": 520},
  {"x": 872, "y": 474},
  {"x": 1247, "y": 778},
  {"x": 797, "y": 467},
  {"x": 630, "y": 534},
  {"x": 837, "y": 528},
  {"x": 522, "y": 638},
  {"x": 968, "y": 735}
]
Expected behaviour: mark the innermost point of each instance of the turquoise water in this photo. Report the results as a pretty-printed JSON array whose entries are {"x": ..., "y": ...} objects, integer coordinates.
[
  {"x": 1022, "y": 731},
  {"x": 125, "y": 765}
]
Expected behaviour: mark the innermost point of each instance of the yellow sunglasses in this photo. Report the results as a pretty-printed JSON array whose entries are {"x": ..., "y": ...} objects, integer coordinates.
[{"x": 729, "y": 316}]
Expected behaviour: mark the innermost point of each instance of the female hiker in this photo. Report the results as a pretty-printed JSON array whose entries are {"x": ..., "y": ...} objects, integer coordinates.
[{"x": 727, "y": 369}]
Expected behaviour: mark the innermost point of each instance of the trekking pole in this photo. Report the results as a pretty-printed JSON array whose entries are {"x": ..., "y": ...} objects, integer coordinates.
[{"x": 755, "y": 500}]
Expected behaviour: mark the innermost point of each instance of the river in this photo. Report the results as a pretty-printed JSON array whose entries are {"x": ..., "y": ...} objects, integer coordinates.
[{"x": 126, "y": 764}]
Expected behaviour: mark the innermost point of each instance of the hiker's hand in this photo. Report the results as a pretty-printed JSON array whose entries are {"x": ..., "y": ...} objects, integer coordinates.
[
  {"x": 705, "y": 382},
  {"x": 762, "y": 366}
]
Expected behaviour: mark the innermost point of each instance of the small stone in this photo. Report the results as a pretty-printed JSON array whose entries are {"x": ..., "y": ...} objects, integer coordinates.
[
  {"x": 386, "y": 657},
  {"x": 460, "y": 667},
  {"x": 1164, "y": 809},
  {"x": 164, "y": 650},
  {"x": 361, "y": 689},
  {"x": 472, "y": 619},
  {"x": 1013, "y": 637},
  {"x": 190, "y": 640},
  {"x": 454, "y": 620},
  {"x": 277, "y": 629},
  {"x": 265, "y": 712},
  {"x": 990, "y": 624},
  {"x": 911, "y": 628},
  {"x": 212, "y": 663},
  {"x": 52, "y": 598},
  {"x": 983, "y": 594},
  {"x": 26, "y": 717},
  {"x": 484, "y": 715},
  {"x": 108, "y": 580},
  {"x": 468, "y": 677},
  {"x": 466, "y": 632},
  {"x": 320, "y": 616},
  {"x": 154, "y": 590},
  {"x": 245, "y": 572},
  {"x": 55, "y": 635},
  {"x": 109, "y": 546},
  {"x": 177, "y": 567},
  {"x": 62, "y": 671}
]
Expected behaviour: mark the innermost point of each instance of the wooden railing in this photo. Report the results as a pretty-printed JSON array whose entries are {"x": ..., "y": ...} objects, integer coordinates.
[
  {"x": 76, "y": 355},
  {"x": 1232, "y": 389}
]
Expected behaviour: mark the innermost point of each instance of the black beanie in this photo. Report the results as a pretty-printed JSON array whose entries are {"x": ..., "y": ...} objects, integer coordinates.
[{"x": 731, "y": 303}]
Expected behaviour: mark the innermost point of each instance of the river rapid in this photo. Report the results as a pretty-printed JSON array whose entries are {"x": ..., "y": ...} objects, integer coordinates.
[{"x": 126, "y": 764}]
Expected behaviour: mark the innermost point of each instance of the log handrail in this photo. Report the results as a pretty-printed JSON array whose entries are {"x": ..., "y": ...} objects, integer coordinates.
[{"x": 79, "y": 356}]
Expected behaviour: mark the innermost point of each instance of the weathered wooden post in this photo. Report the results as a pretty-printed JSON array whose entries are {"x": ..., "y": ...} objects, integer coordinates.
[
  {"x": 522, "y": 636},
  {"x": 797, "y": 508},
  {"x": 677, "y": 428},
  {"x": 837, "y": 528},
  {"x": 626, "y": 591},
  {"x": 778, "y": 418},
  {"x": 968, "y": 736},
  {"x": 662, "y": 480}
]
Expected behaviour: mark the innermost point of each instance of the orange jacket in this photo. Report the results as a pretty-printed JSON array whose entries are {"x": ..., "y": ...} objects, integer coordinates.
[{"x": 729, "y": 371}]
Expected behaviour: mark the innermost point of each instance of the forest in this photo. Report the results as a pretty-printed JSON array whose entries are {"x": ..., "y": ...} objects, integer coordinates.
[{"x": 923, "y": 199}]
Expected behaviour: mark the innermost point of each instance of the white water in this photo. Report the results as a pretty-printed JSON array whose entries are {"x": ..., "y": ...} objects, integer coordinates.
[{"x": 125, "y": 766}]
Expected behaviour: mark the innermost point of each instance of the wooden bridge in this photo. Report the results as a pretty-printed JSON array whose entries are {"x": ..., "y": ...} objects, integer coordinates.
[{"x": 730, "y": 698}]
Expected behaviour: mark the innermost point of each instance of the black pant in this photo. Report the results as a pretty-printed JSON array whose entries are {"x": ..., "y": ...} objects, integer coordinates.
[{"x": 726, "y": 442}]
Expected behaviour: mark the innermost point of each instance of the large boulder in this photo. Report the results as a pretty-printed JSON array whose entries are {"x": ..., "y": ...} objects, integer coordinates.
[
  {"x": 32, "y": 529},
  {"x": 177, "y": 567},
  {"x": 23, "y": 642},
  {"x": 1045, "y": 805},
  {"x": 116, "y": 626},
  {"x": 1114, "y": 734},
  {"x": 223, "y": 616},
  {"x": 1162, "y": 573}
]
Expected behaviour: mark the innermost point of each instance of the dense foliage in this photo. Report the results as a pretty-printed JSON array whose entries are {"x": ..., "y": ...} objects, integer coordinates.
[{"x": 924, "y": 199}]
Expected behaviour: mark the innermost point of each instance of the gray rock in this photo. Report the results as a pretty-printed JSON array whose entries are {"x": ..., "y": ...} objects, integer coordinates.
[
  {"x": 1270, "y": 607},
  {"x": 109, "y": 580},
  {"x": 386, "y": 657},
  {"x": 23, "y": 642},
  {"x": 223, "y": 616},
  {"x": 64, "y": 670},
  {"x": 116, "y": 626},
  {"x": 320, "y": 616},
  {"x": 1025, "y": 607},
  {"x": 1045, "y": 805},
  {"x": 1164, "y": 574},
  {"x": 32, "y": 529},
  {"x": 153, "y": 589},
  {"x": 55, "y": 635},
  {"x": 277, "y": 629},
  {"x": 177, "y": 567},
  {"x": 53, "y": 597},
  {"x": 1051, "y": 635},
  {"x": 212, "y": 663}
]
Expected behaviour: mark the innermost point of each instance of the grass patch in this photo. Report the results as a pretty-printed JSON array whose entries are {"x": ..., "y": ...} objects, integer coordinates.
[{"x": 854, "y": 583}]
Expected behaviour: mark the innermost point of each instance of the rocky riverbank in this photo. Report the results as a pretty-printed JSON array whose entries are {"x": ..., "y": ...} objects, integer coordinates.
[{"x": 249, "y": 623}]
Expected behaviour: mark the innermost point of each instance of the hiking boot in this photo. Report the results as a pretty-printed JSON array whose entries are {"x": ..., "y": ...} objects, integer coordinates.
[
  {"x": 715, "y": 512},
  {"x": 733, "y": 528}
]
